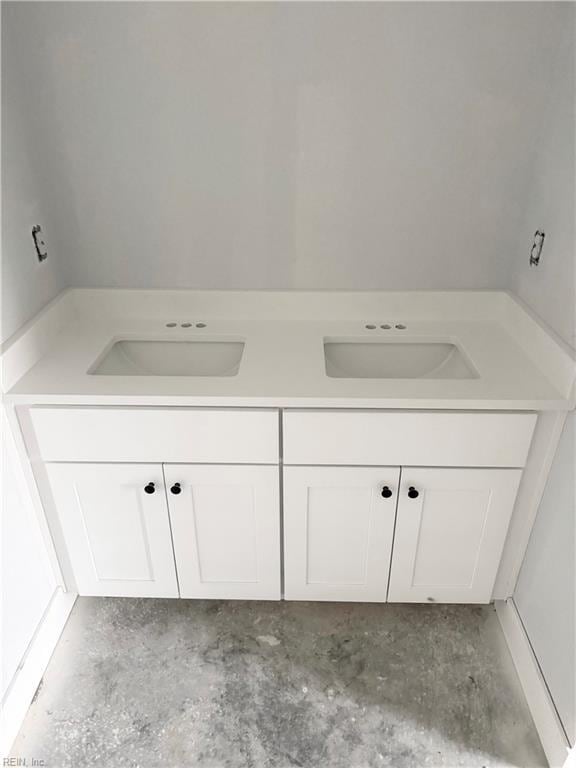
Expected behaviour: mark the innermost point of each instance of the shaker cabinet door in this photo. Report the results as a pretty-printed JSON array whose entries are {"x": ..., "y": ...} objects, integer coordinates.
[
  {"x": 226, "y": 529},
  {"x": 338, "y": 529},
  {"x": 450, "y": 530},
  {"x": 114, "y": 518}
]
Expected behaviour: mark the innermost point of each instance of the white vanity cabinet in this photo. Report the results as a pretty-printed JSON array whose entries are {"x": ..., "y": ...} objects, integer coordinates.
[
  {"x": 450, "y": 530},
  {"x": 130, "y": 528},
  {"x": 226, "y": 530},
  {"x": 166, "y": 501},
  {"x": 404, "y": 506},
  {"x": 115, "y": 523},
  {"x": 440, "y": 534},
  {"x": 338, "y": 531}
]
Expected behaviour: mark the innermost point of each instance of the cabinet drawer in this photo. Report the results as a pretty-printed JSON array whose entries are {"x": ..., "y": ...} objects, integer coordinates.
[
  {"x": 156, "y": 435},
  {"x": 413, "y": 438}
]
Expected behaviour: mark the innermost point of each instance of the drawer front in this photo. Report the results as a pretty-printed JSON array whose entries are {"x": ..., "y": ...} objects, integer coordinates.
[
  {"x": 433, "y": 439},
  {"x": 156, "y": 435}
]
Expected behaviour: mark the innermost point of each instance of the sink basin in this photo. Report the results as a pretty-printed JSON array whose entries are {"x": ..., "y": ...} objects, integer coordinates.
[
  {"x": 349, "y": 359},
  {"x": 129, "y": 357}
]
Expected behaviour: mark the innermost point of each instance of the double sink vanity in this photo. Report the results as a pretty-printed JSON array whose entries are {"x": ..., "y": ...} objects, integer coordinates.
[
  {"x": 306, "y": 446},
  {"x": 357, "y": 358}
]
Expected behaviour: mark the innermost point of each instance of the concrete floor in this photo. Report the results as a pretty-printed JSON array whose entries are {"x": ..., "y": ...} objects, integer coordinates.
[{"x": 207, "y": 684}]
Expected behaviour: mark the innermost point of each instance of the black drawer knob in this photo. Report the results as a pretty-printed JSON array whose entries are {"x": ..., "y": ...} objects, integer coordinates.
[
  {"x": 176, "y": 489},
  {"x": 413, "y": 493},
  {"x": 150, "y": 488},
  {"x": 386, "y": 492}
]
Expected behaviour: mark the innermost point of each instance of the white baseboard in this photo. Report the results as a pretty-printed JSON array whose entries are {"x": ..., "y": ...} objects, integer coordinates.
[
  {"x": 546, "y": 720},
  {"x": 28, "y": 676},
  {"x": 571, "y": 761}
]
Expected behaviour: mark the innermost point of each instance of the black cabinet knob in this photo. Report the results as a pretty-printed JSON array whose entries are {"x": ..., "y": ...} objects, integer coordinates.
[
  {"x": 176, "y": 489},
  {"x": 386, "y": 492},
  {"x": 150, "y": 488},
  {"x": 413, "y": 493}
]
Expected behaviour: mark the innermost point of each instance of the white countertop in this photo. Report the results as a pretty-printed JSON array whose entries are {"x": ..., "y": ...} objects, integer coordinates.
[{"x": 283, "y": 362}]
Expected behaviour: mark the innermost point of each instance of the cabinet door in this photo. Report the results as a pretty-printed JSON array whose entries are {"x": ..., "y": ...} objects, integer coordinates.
[
  {"x": 338, "y": 530},
  {"x": 226, "y": 529},
  {"x": 450, "y": 531},
  {"x": 117, "y": 535}
]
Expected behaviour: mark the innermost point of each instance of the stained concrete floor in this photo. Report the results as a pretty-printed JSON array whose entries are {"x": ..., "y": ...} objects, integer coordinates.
[{"x": 208, "y": 684}]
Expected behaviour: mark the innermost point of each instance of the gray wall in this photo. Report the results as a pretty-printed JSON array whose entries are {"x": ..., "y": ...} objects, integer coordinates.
[
  {"x": 29, "y": 184},
  {"x": 549, "y": 199},
  {"x": 285, "y": 145},
  {"x": 546, "y": 590},
  {"x": 32, "y": 191}
]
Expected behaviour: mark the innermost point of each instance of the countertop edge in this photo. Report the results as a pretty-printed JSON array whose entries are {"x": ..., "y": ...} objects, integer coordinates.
[{"x": 288, "y": 402}]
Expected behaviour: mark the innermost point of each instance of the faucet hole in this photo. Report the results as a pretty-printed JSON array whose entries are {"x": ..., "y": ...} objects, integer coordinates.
[
  {"x": 200, "y": 325},
  {"x": 400, "y": 326},
  {"x": 386, "y": 327},
  {"x": 185, "y": 325},
  {"x": 171, "y": 325},
  {"x": 370, "y": 327}
]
